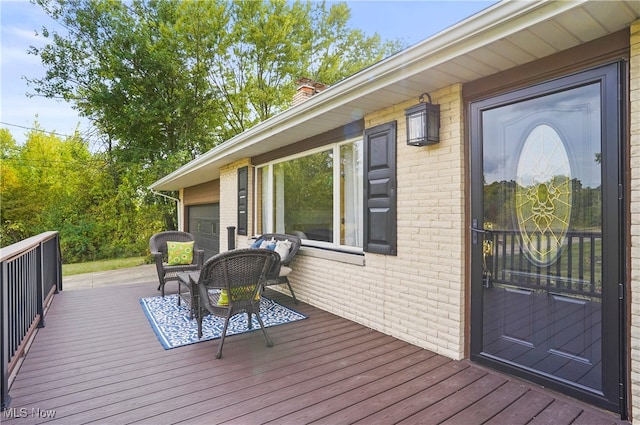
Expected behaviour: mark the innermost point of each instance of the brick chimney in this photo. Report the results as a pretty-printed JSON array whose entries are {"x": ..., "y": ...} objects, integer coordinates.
[{"x": 306, "y": 89}]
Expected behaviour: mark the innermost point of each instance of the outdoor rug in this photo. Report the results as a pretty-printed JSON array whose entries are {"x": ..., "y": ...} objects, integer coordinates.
[{"x": 171, "y": 323}]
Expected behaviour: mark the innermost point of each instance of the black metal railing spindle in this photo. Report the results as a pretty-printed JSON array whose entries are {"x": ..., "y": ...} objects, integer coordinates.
[
  {"x": 575, "y": 269},
  {"x": 592, "y": 268},
  {"x": 30, "y": 272}
]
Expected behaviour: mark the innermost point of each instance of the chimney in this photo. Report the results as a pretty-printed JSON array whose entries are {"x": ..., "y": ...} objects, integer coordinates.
[{"x": 306, "y": 88}]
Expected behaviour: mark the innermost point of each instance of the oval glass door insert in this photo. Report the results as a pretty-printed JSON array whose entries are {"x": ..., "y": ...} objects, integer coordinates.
[{"x": 543, "y": 195}]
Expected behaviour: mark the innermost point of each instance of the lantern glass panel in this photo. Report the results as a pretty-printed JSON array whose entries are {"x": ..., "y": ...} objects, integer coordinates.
[
  {"x": 433, "y": 125},
  {"x": 416, "y": 123}
]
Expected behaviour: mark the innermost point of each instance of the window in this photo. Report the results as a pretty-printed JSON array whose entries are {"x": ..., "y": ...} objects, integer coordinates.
[{"x": 314, "y": 196}]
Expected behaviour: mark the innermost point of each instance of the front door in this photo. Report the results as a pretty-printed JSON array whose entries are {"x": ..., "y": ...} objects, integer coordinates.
[{"x": 546, "y": 235}]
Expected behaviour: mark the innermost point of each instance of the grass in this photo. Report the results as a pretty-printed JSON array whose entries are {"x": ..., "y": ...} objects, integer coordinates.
[{"x": 101, "y": 265}]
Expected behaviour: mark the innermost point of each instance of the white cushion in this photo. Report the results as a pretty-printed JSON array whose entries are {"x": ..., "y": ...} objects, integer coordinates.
[
  {"x": 283, "y": 248},
  {"x": 284, "y": 271}
]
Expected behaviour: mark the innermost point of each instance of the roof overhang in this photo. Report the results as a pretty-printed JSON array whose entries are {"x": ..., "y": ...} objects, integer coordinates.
[{"x": 501, "y": 37}]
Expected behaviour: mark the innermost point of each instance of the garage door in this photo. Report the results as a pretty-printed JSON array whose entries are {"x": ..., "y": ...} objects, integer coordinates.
[{"x": 204, "y": 225}]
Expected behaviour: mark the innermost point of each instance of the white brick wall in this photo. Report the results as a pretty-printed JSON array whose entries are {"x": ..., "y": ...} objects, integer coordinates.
[
  {"x": 416, "y": 296},
  {"x": 229, "y": 202},
  {"x": 635, "y": 219}
]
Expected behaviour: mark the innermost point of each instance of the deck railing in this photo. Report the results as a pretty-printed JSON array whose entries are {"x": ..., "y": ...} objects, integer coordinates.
[
  {"x": 30, "y": 273},
  {"x": 577, "y": 270}
]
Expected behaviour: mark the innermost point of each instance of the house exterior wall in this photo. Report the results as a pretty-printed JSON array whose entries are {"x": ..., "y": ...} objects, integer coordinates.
[
  {"x": 634, "y": 124},
  {"x": 205, "y": 193},
  {"x": 424, "y": 284},
  {"x": 418, "y": 295},
  {"x": 229, "y": 201}
]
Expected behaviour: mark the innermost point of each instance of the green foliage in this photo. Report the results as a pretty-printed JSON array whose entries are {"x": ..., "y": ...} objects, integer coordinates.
[
  {"x": 167, "y": 76},
  {"x": 122, "y": 66},
  {"x": 163, "y": 81},
  {"x": 499, "y": 206},
  {"x": 54, "y": 184},
  {"x": 308, "y": 198},
  {"x": 9, "y": 196},
  {"x": 336, "y": 51}
]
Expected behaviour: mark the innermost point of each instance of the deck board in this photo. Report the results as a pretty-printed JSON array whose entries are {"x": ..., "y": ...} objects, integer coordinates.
[
  {"x": 323, "y": 400},
  {"x": 97, "y": 360},
  {"x": 347, "y": 391},
  {"x": 522, "y": 410}
]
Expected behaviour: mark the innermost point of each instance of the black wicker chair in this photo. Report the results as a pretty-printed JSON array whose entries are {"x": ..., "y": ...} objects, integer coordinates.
[
  {"x": 279, "y": 273},
  {"x": 158, "y": 247},
  {"x": 240, "y": 273}
]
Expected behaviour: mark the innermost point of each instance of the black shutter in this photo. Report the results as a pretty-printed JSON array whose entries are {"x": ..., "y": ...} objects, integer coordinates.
[
  {"x": 243, "y": 186},
  {"x": 380, "y": 227}
]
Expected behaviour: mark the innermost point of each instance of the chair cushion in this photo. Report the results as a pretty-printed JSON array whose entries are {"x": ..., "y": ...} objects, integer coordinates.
[
  {"x": 269, "y": 244},
  {"x": 257, "y": 243},
  {"x": 179, "y": 253},
  {"x": 223, "y": 299},
  {"x": 283, "y": 248},
  {"x": 284, "y": 271}
]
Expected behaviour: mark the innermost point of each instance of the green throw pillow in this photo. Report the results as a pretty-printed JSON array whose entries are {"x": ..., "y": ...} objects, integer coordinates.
[
  {"x": 179, "y": 253},
  {"x": 223, "y": 300}
]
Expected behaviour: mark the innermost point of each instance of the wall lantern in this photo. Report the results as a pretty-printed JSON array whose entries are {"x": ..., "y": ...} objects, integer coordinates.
[{"x": 423, "y": 123}]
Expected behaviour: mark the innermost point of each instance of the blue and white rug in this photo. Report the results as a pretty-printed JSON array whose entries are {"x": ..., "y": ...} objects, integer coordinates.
[{"x": 171, "y": 323}]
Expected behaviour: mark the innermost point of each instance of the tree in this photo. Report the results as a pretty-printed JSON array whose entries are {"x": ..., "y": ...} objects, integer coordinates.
[
  {"x": 121, "y": 66},
  {"x": 10, "y": 231},
  {"x": 164, "y": 81},
  {"x": 162, "y": 78},
  {"x": 54, "y": 184},
  {"x": 44, "y": 184}
]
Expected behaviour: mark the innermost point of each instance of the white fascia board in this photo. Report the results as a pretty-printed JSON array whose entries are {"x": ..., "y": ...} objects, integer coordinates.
[{"x": 493, "y": 24}]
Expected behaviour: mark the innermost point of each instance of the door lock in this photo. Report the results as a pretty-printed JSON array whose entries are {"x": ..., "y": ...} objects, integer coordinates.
[{"x": 475, "y": 230}]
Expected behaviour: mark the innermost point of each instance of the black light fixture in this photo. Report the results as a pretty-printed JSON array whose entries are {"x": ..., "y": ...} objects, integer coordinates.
[{"x": 423, "y": 122}]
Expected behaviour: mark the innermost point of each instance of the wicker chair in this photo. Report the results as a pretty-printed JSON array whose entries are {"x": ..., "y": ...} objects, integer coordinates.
[
  {"x": 158, "y": 247},
  {"x": 240, "y": 273},
  {"x": 279, "y": 273}
]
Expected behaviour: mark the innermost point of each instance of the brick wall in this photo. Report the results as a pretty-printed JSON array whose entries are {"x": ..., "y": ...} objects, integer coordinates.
[
  {"x": 635, "y": 218},
  {"x": 425, "y": 282},
  {"x": 416, "y": 296},
  {"x": 229, "y": 202}
]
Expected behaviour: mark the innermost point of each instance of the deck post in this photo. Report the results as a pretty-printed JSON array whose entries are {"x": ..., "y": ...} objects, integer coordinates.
[
  {"x": 58, "y": 265},
  {"x": 40, "y": 270},
  {"x": 231, "y": 238}
]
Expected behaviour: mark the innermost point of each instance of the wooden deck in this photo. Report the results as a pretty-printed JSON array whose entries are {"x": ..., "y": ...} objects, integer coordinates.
[{"x": 98, "y": 361}]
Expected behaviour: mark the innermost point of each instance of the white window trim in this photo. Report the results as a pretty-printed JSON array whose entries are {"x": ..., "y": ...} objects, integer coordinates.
[
  {"x": 336, "y": 194},
  {"x": 335, "y": 148}
]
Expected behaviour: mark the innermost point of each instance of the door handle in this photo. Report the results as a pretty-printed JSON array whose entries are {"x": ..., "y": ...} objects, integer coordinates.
[{"x": 475, "y": 231}]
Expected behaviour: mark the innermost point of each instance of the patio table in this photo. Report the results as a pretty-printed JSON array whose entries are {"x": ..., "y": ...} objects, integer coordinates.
[{"x": 189, "y": 280}]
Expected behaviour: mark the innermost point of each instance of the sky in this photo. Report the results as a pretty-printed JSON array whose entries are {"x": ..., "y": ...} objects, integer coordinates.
[{"x": 409, "y": 21}]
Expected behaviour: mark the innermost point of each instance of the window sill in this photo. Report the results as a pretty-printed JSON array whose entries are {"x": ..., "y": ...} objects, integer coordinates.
[{"x": 333, "y": 255}]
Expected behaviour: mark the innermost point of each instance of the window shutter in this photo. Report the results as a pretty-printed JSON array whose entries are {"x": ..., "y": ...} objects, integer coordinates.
[
  {"x": 243, "y": 186},
  {"x": 380, "y": 218}
]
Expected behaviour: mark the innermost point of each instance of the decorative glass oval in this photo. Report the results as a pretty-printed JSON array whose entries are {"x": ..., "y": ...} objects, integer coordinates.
[{"x": 543, "y": 195}]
